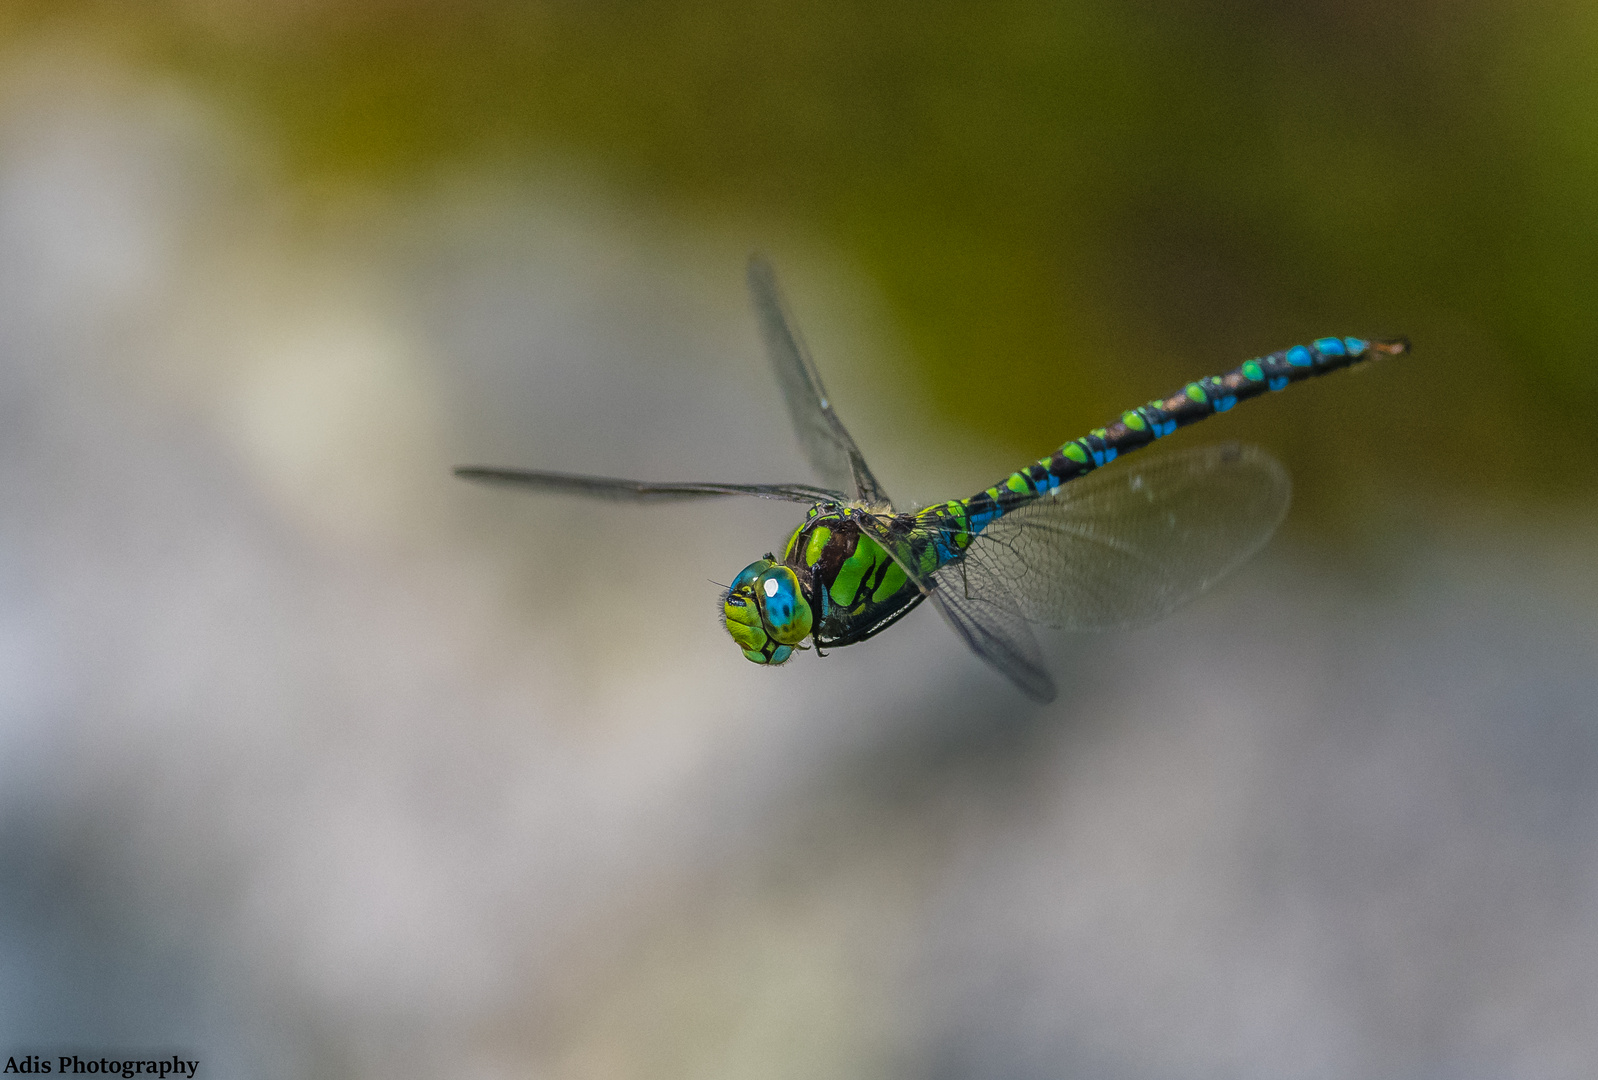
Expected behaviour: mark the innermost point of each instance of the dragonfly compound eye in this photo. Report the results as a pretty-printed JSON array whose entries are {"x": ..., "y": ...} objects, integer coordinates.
[
  {"x": 765, "y": 613},
  {"x": 782, "y": 605}
]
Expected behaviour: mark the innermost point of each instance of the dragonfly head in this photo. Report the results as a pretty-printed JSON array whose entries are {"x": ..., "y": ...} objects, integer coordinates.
[{"x": 765, "y": 611}]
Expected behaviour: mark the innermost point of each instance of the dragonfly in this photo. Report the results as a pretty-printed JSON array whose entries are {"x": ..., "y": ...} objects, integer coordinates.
[{"x": 1064, "y": 542}]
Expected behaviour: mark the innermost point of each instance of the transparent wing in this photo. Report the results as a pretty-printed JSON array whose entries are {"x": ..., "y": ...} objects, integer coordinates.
[
  {"x": 987, "y": 616},
  {"x": 1126, "y": 545},
  {"x": 822, "y": 436},
  {"x": 1120, "y": 547},
  {"x": 604, "y": 487},
  {"x": 979, "y": 606}
]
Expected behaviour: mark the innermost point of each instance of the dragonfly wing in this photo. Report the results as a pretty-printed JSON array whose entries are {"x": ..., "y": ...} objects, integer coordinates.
[
  {"x": 824, "y": 439},
  {"x": 605, "y": 487},
  {"x": 1122, "y": 547},
  {"x": 979, "y": 606},
  {"x": 987, "y": 616},
  {"x": 1119, "y": 547}
]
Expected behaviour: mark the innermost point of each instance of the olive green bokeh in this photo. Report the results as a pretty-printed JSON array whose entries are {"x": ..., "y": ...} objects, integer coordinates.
[{"x": 1072, "y": 207}]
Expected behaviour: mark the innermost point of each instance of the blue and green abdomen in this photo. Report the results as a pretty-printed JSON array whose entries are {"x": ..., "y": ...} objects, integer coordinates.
[{"x": 964, "y": 518}]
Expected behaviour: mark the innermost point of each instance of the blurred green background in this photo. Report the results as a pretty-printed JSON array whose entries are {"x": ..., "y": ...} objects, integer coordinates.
[
  {"x": 315, "y": 762},
  {"x": 1100, "y": 198}
]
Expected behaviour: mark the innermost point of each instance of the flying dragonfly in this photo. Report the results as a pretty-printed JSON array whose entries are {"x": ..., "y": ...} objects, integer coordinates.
[{"x": 1058, "y": 543}]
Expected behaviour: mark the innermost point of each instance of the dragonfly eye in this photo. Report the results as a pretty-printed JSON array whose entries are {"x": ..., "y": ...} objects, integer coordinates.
[
  {"x": 745, "y": 581},
  {"x": 765, "y": 613},
  {"x": 782, "y": 605}
]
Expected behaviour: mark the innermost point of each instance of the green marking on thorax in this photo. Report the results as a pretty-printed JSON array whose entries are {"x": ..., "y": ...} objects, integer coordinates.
[
  {"x": 818, "y": 541},
  {"x": 892, "y": 582},
  {"x": 847, "y": 584}
]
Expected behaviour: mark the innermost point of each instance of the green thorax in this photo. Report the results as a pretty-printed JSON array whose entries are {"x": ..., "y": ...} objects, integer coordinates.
[{"x": 852, "y": 585}]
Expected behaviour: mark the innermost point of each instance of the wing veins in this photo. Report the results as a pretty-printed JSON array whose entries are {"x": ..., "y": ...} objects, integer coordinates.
[{"x": 827, "y": 444}]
